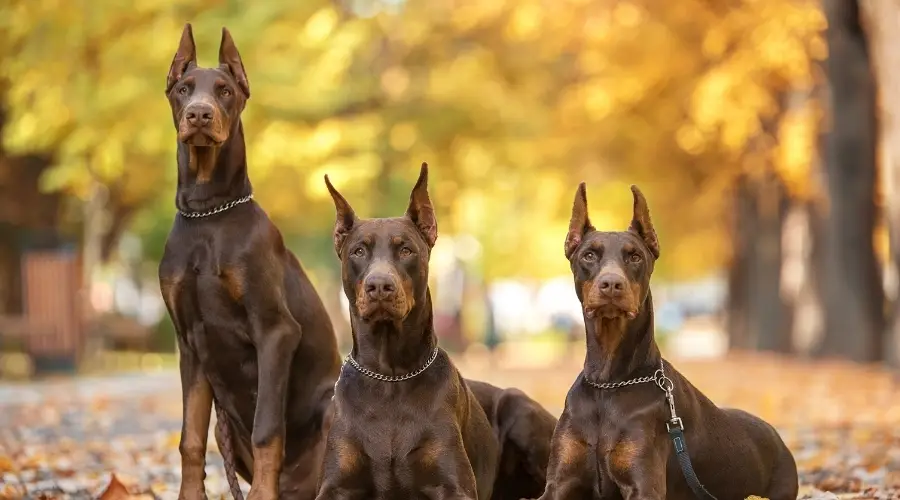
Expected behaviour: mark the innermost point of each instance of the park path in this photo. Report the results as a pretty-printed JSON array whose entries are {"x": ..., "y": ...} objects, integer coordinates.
[{"x": 63, "y": 438}]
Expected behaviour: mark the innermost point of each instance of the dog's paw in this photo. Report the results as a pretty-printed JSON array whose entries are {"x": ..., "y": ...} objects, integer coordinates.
[
  {"x": 192, "y": 493},
  {"x": 261, "y": 494}
]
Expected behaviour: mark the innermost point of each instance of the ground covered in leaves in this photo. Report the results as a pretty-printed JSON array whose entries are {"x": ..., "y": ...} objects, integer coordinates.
[{"x": 66, "y": 438}]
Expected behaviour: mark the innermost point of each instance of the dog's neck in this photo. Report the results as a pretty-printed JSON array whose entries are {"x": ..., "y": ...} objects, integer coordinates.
[
  {"x": 619, "y": 349},
  {"x": 209, "y": 177},
  {"x": 395, "y": 348}
]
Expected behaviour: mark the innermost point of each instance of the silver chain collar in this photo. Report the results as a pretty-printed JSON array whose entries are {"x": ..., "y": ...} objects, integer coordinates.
[
  {"x": 391, "y": 378},
  {"x": 216, "y": 210},
  {"x": 660, "y": 379}
]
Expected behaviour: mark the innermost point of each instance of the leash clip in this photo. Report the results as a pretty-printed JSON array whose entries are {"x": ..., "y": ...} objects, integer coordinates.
[
  {"x": 663, "y": 382},
  {"x": 674, "y": 423}
]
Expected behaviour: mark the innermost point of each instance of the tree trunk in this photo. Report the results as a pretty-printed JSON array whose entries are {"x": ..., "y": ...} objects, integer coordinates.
[
  {"x": 883, "y": 25},
  {"x": 742, "y": 260},
  {"x": 771, "y": 314},
  {"x": 853, "y": 294},
  {"x": 758, "y": 317},
  {"x": 10, "y": 271}
]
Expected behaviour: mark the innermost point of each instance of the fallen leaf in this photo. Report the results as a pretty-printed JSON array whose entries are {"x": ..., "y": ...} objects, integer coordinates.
[{"x": 115, "y": 490}]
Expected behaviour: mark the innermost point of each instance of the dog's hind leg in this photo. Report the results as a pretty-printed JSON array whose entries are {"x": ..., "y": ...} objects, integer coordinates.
[
  {"x": 784, "y": 484},
  {"x": 196, "y": 411}
]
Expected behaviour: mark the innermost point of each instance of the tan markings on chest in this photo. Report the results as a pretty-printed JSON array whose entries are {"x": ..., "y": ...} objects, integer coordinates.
[{"x": 232, "y": 278}]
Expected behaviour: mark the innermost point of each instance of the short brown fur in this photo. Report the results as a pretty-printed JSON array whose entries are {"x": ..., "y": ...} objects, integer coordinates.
[
  {"x": 247, "y": 318},
  {"x": 423, "y": 437},
  {"x": 627, "y": 453}
]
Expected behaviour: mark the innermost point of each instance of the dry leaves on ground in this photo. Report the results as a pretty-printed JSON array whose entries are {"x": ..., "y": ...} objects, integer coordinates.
[{"x": 117, "y": 438}]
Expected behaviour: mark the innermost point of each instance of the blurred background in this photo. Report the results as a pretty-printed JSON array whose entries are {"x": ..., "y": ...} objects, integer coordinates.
[
  {"x": 752, "y": 127},
  {"x": 762, "y": 132}
]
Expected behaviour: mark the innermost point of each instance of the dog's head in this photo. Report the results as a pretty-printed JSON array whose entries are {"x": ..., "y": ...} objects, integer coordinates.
[
  {"x": 384, "y": 262},
  {"x": 206, "y": 102},
  {"x": 612, "y": 269}
]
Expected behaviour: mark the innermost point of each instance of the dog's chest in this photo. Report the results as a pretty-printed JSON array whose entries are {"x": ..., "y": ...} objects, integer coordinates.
[
  {"x": 202, "y": 282},
  {"x": 400, "y": 444},
  {"x": 198, "y": 266}
]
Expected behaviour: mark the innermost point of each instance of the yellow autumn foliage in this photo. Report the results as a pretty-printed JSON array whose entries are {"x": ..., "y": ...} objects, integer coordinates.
[{"x": 512, "y": 103}]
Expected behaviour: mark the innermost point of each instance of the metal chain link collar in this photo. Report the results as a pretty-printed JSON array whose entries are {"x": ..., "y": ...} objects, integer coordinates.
[
  {"x": 216, "y": 210},
  {"x": 390, "y": 378},
  {"x": 662, "y": 381}
]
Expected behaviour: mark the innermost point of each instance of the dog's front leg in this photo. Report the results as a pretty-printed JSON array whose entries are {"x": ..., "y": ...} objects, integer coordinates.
[
  {"x": 569, "y": 473},
  {"x": 449, "y": 493},
  {"x": 196, "y": 408},
  {"x": 455, "y": 478},
  {"x": 275, "y": 347},
  {"x": 639, "y": 468}
]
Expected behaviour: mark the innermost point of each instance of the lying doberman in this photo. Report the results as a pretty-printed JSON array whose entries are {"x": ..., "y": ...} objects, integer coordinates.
[
  {"x": 630, "y": 416},
  {"x": 524, "y": 430},
  {"x": 253, "y": 335},
  {"x": 406, "y": 425}
]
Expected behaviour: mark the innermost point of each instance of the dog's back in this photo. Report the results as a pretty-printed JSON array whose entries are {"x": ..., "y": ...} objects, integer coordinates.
[{"x": 523, "y": 429}]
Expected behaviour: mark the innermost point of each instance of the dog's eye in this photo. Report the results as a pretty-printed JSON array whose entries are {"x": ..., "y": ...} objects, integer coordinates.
[
  {"x": 183, "y": 90},
  {"x": 359, "y": 252},
  {"x": 225, "y": 93},
  {"x": 405, "y": 252},
  {"x": 635, "y": 257},
  {"x": 589, "y": 257}
]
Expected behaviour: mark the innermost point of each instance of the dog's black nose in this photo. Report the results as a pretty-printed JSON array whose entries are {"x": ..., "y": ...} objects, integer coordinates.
[
  {"x": 612, "y": 285},
  {"x": 199, "y": 115},
  {"x": 380, "y": 287}
]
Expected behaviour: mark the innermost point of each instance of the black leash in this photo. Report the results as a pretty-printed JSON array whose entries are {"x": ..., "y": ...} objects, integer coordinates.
[
  {"x": 676, "y": 433},
  {"x": 674, "y": 425}
]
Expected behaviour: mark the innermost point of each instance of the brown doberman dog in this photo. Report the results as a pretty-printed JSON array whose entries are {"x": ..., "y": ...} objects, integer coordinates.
[
  {"x": 524, "y": 430},
  {"x": 615, "y": 438},
  {"x": 253, "y": 334},
  {"x": 405, "y": 423}
]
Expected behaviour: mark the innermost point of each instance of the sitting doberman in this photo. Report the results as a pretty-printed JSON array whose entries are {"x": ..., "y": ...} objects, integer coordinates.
[
  {"x": 253, "y": 334},
  {"x": 630, "y": 416},
  {"x": 524, "y": 430},
  {"x": 406, "y": 426}
]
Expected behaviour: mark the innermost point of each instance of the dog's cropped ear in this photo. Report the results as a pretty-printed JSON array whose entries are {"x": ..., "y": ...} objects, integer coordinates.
[
  {"x": 230, "y": 59},
  {"x": 420, "y": 210},
  {"x": 346, "y": 218},
  {"x": 579, "y": 224},
  {"x": 184, "y": 57},
  {"x": 641, "y": 224}
]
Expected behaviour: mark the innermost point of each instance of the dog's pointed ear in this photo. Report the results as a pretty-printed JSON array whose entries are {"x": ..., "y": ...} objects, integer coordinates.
[
  {"x": 346, "y": 218},
  {"x": 185, "y": 56},
  {"x": 230, "y": 59},
  {"x": 641, "y": 224},
  {"x": 420, "y": 210},
  {"x": 579, "y": 224}
]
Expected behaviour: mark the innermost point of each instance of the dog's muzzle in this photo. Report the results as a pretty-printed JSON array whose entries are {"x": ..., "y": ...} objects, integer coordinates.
[
  {"x": 380, "y": 296},
  {"x": 200, "y": 125}
]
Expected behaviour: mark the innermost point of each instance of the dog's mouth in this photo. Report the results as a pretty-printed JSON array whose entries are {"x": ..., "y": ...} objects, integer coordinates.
[
  {"x": 374, "y": 311},
  {"x": 199, "y": 137},
  {"x": 608, "y": 310}
]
